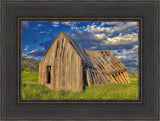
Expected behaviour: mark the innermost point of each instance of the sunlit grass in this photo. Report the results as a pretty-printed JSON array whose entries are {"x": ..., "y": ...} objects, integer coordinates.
[{"x": 32, "y": 90}]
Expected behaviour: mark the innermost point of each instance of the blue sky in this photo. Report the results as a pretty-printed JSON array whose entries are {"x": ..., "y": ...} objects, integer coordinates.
[{"x": 119, "y": 37}]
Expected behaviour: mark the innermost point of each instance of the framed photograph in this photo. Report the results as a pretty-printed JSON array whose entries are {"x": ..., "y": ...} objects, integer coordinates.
[
  {"x": 94, "y": 60},
  {"x": 79, "y": 63}
]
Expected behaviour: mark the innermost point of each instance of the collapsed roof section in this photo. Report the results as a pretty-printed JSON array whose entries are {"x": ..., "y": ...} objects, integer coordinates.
[{"x": 108, "y": 69}]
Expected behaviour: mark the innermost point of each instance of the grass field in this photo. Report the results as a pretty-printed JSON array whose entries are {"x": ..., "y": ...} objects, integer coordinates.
[{"x": 32, "y": 90}]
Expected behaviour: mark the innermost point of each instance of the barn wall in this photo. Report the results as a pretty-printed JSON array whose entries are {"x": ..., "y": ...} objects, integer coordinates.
[{"x": 66, "y": 66}]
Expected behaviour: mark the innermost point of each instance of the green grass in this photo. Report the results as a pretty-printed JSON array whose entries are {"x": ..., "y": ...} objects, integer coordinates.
[
  {"x": 32, "y": 90},
  {"x": 29, "y": 77}
]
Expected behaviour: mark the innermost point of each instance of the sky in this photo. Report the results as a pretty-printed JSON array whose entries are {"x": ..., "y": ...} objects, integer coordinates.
[{"x": 121, "y": 38}]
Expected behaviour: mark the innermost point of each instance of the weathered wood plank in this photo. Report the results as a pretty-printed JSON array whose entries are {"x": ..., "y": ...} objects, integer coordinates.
[
  {"x": 112, "y": 78},
  {"x": 117, "y": 79},
  {"x": 88, "y": 78}
]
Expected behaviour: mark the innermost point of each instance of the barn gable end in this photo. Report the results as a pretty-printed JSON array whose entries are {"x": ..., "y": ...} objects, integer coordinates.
[{"x": 66, "y": 66}]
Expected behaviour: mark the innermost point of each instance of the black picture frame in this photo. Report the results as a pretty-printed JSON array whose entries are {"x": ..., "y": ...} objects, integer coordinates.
[{"x": 146, "y": 108}]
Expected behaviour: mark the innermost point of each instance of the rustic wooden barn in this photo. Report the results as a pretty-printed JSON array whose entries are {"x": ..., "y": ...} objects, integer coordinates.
[{"x": 67, "y": 66}]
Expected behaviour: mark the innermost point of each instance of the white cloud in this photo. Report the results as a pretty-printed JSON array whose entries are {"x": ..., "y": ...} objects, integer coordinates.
[
  {"x": 55, "y": 24},
  {"x": 123, "y": 27},
  {"x": 119, "y": 27},
  {"x": 74, "y": 28},
  {"x": 102, "y": 41},
  {"x": 100, "y": 36},
  {"x": 26, "y": 56},
  {"x": 123, "y": 39},
  {"x": 112, "y": 23},
  {"x": 41, "y": 32},
  {"x": 35, "y": 28},
  {"x": 127, "y": 56},
  {"x": 26, "y": 47},
  {"x": 69, "y": 23},
  {"x": 34, "y": 53},
  {"x": 93, "y": 48},
  {"x": 39, "y": 25},
  {"x": 77, "y": 28},
  {"x": 107, "y": 36},
  {"x": 98, "y": 29},
  {"x": 73, "y": 25}
]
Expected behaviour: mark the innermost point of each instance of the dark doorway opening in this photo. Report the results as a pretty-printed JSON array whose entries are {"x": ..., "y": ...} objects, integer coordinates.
[
  {"x": 85, "y": 76},
  {"x": 48, "y": 74}
]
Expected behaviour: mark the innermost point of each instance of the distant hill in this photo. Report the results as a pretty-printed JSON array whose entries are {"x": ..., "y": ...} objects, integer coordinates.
[
  {"x": 30, "y": 65},
  {"x": 132, "y": 71}
]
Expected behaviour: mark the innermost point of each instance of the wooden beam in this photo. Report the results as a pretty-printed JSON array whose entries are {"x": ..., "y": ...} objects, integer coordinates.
[
  {"x": 119, "y": 62},
  {"x": 119, "y": 78},
  {"x": 93, "y": 78},
  {"x": 113, "y": 78},
  {"x": 127, "y": 77},
  {"x": 88, "y": 78},
  {"x": 105, "y": 57},
  {"x": 122, "y": 77},
  {"x": 116, "y": 71},
  {"x": 102, "y": 60}
]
